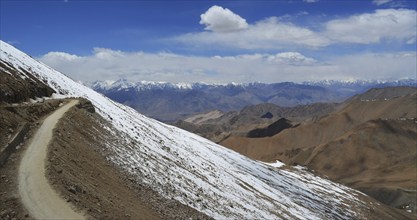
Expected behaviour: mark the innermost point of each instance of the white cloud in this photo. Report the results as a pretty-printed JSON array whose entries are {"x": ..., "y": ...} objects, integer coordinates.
[
  {"x": 107, "y": 64},
  {"x": 381, "y": 66},
  {"x": 220, "y": 19},
  {"x": 368, "y": 28},
  {"x": 380, "y": 2},
  {"x": 291, "y": 58},
  {"x": 60, "y": 56},
  {"x": 385, "y": 25},
  {"x": 266, "y": 34}
]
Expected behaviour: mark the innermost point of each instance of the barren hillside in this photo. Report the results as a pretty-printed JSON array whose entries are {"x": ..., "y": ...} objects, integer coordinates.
[{"x": 369, "y": 144}]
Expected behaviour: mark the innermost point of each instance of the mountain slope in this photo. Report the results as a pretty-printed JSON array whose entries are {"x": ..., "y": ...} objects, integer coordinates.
[
  {"x": 201, "y": 174},
  {"x": 313, "y": 133},
  {"x": 240, "y": 123},
  {"x": 368, "y": 144}
]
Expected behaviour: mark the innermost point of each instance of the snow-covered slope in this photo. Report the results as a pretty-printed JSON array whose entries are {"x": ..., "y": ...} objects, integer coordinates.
[{"x": 199, "y": 173}]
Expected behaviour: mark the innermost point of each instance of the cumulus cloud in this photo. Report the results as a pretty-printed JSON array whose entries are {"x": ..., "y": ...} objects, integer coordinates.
[
  {"x": 220, "y": 19},
  {"x": 107, "y": 64},
  {"x": 385, "y": 25},
  {"x": 380, "y": 2}
]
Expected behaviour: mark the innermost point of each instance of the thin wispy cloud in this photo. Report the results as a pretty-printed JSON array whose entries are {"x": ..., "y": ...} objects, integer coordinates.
[
  {"x": 381, "y": 2},
  {"x": 310, "y": 1},
  {"x": 13, "y": 42}
]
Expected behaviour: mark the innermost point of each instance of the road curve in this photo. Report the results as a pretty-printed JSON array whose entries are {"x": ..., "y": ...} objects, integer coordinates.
[{"x": 36, "y": 194}]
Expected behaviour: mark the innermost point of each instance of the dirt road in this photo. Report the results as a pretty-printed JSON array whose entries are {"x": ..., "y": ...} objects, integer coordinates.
[{"x": 37, "y": 195}]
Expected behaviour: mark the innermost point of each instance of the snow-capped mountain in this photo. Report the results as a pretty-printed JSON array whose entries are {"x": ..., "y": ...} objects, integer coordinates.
[
  {"x": 196, "y": 172},
  {"x": 140, "y": 86},
  {"x": 168, "y": 101},
  {"x": 171, "y": 101},
  {"x": 354, "y": 85}
]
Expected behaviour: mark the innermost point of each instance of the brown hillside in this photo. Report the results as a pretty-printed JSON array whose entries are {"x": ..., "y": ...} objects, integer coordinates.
[
  {"x": 324, "y": 130},
  {"x": 369, "y": 144}
]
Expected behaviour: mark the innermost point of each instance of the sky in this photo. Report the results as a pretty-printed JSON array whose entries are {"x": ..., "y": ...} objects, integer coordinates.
[{"x": 217, "y": 41}]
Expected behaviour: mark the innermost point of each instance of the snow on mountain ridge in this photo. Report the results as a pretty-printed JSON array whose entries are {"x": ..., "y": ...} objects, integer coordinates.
[
  {"x": 150, "y": 85},
  {"x": 353, "y": 82},
  {"x": 199, "y": 173},
  {"x": 153, "y": 85}
]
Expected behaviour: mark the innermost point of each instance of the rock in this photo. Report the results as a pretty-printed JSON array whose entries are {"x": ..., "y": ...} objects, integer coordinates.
[
  {"x": 58, "y": 169},
  {"x": 72, "y": 189},
  {"x": 3, "y": 213},
  {"x": 87, "y": 105},
  {"x": 78, "y": 189}
]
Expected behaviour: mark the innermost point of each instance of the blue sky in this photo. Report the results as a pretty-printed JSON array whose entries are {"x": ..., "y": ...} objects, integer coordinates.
[{"x": 213, "y": 41}]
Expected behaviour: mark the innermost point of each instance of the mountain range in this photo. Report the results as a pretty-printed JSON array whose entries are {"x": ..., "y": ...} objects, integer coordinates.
[{"x": 173, "y": 101}]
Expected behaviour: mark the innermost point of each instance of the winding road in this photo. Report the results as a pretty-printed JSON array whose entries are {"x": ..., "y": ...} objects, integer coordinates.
[{"x": 37, "y": 195}]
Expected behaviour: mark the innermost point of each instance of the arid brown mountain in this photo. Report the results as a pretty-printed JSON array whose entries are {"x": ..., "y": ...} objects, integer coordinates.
[
  {"x": 240, "y": 123},
  {"x": 369, "y": 144}
]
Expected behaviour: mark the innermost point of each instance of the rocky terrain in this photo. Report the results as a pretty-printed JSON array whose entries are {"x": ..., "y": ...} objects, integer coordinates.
[
  {"x": 369, "y": 144},
  {"x": 14, "y": 89}
]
